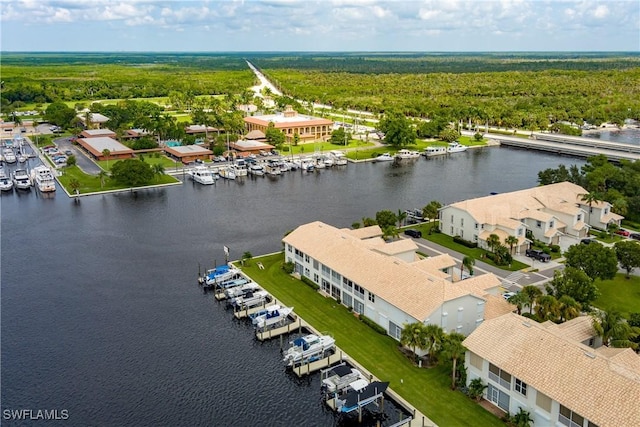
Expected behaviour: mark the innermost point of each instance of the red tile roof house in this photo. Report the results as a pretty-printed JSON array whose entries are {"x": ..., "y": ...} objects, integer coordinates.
[
  {"x": 96, "y": 146},
  {"x": 308, "y": 128}
]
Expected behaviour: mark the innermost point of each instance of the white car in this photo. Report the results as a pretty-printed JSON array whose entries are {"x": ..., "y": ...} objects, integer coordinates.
[{"x": 508, "y": 295}]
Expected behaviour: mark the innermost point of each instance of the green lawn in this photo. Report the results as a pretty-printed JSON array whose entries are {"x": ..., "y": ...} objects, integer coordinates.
[
  {"x": 427, "y": 389},
  {"x": 620, "y": 294},
  {"x": 91, "y": 183},
  {"x": 447, "y": 242},
  {"x": 148, "y": 158}
]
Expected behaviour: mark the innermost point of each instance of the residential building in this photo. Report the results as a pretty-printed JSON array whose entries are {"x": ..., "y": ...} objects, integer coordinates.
[
  {"x": 308, "y": 128},
  {"x": 97, "y": 133},
  {"x": 388, "y": 282},
  {"x": 188, "y": 153},
  {"x": 96, "y": 120},
  {"x": 549, "y": 212},
  {"x": 552, "y": 372}
]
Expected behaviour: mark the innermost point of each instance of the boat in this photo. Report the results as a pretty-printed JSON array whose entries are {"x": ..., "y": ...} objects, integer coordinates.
[
  {"x": 9, "y": 155},
  {"x": 227, "y": 172},
  {"x": 43, "y": 179},
  {"x": 268, "y": 309},
  {"x": 218, "y": 274},
  {"x": 435, "y": 150},
  {"x": 241, "y": 290},
  {"x": 240, "y": 167},
  {"x": 338, "y": 379},
  {"x": 256, "y": 170},
  {"x": 339, "y": 158},
  {"x": 272, "y": 167},
  {"x": 357, "y": 398},
  {"x": 318, "y": 162},
  {"x": 293, "y": 165},
  {"x": 327, "y": 160},
  {"x": 456, "y": 147},
  {"x": 202, "y": 175},
  {"x": 232, "y": 283},
  {"x": 284, "y": 166},
  {"x": 22, "y": 180},
  {"x": 250, "y": 300},
  {"x": 272, "y": 318},
  {"x": 385, "y": 157},
  {"x": 307, "y": 164},
  {"x": 6, "y": 184},
  {"x": 405, "y": 154},
  {"x": 308, "y": 349}
]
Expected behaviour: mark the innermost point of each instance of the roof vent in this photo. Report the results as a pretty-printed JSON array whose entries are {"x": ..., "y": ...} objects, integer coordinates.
[
  {"x": 527, "y": 324},
  {"x": 590, "y": 355}
]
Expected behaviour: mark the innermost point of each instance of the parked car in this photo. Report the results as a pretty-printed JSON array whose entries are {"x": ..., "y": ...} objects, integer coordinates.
[
  {"x": 508, "y": 295},
  {"x": 635, "y": 236},
  {"x": 538, "y": 254},
  {"x": 413, "y": 233},
  {"x": 587, "y": 241},
  {"x": 624, "y": 233},
  {"x": 68, "y": 152}
]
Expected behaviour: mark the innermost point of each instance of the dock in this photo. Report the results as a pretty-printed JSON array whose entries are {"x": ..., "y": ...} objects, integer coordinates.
[
  {"x": 294, "y": 326},
  {"x": 311, "y": 367}
]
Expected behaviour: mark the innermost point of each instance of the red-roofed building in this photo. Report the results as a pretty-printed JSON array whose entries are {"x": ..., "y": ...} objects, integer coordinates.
[{"x": 308, "y": 128}]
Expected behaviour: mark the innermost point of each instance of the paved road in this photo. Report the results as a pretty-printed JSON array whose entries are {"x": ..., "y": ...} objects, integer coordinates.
[{"x": 86, "y": 164}]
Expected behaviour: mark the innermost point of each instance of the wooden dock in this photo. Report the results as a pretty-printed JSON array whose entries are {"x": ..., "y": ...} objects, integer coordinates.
[
  {"x": 310, "y": 368},
  {"x": 294, "y": 326}
]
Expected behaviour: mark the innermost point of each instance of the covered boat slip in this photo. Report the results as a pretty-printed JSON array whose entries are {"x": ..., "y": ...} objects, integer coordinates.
[{"x": 356, "y": 399}]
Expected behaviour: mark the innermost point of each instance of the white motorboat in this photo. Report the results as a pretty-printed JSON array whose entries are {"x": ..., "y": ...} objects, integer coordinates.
[
  {"x": 268, "y": 309},
  {"x": 284, "y": 166},
  {"x": 385, "y": 157},
  {"x": 308, "y": 349},
  {"x": 240, "y": 167},
  {"x": 327, "y": 160},
  {"x": 22, "y": 180},
  {"x": 456, "y": 147},
  {"x": 218, "y": 274},
  {"x": 318, "y": 162},
  {"x": 241, "y": 290},
  {"x": 9, "y": 155},
  {"x": 43, "y": 179},
  {"x": 435, "y": 150},
  {"x": 227, "y": 172},
  {"x": 405, "y": 154},
  {"x": 307, "y": 164},
  {"x": 256, "y": 170},
  {"x": 342, "y": 377},
  {"x": 272, "y": 167},
  {"x": 6, "y": 184},
  {"x": 250, "y": 300},
  {"x": 202, "y": 175},
  {"x": 339, "y": 158},
  {"x": 293, "y": 165},
  {"x": 272, "y": 318}
]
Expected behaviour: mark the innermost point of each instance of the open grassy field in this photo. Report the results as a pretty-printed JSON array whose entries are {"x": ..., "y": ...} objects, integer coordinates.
[
  {"x": 427, "y": 389},
  {"x": 92, "y": 183},
  {"x": 619, "y": 294}
]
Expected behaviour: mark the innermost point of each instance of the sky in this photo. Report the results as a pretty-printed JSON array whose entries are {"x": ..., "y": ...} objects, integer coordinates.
[{"x": 327, "y": 25}]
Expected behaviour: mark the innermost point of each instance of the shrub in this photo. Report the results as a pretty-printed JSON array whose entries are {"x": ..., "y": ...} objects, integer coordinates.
[
  {"x": 288, "y": 267},
  {"x": 310, "y": 283},
  {"x": 464, "y": 242},
  {"x": 373, "y": 325},
  {"x": 555, "y": 248}
]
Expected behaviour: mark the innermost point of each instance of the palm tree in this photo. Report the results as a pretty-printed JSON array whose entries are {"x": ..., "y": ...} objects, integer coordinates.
[
  {"x": 547, "y": 308},
  {"x": 434, "y": 335},
  {"x": 467, "y": 262},
  {"x": 158, "y": 169},
  {"x": 590, "y": 198},
  {"x": 402, "y": 215},
  {"x": 522, "y": 418},
  {"x": 613, "y": 329},
  {"x": 413, "y": 336},
  {"x": 493, "y": 241},
  {"x": 511, "y": 241},
  {"x": 568, "y": 308},
  {"x": 103, "y": 175},
  {"x": 106, "y": 153},
  {"x": 520, "y": 300},
  {"x": 74, "y": 184},
  {"x": 532, "y": 293},
  {"x": 453, "y": 349}
]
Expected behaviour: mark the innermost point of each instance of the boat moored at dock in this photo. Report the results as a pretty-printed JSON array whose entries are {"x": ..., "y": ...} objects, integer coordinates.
[
  {"x": 22, "y": 180},
  {"x": 218, "y": 274},
  {"x": 456, "y": 147},
  {"x": 6, "y": 184},
  {"x": 202, "y": 175},
  {"x": 435, "y": 150},
  {"x": 308, "y": 348},
  {"x": 339, "y": 378},
  {"x": 405, "y": 154},
  {"x": 272, "y": 318},
  {"x": 9, "y": 155},
  {"x": 384, "y": 157},
  {"x": 43, "y": 179},
  {"x": 339, "y": 158}
]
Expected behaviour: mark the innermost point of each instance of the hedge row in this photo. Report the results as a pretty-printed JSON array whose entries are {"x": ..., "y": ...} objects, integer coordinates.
[{"x": 466, "y": 243}]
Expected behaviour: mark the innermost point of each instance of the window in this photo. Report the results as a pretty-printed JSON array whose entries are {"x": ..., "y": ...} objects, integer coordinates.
[
  {"x": 336, "y": 277},
  {"x": 475, "y": 237},
  {"x": 476, "y": 227},
  {"x": 462, "y": 233},
  {"x": 326, "y": 286},
  {"x": 306, "y": 258},
  {"x": 326, "y": 271},
  {"x": 358, "y": 306},
  {"x": 452, "y": 230},
  {"x": 520, "y": 387},
  {"x": 347, "y": 284},
  {"x": 520, "y": 231},
  {"x": 306, "y": 272},
  {"x": 551, "y": 224},
  {"x": 498, "y": 397},
  {"x": 461, "y": 222},
  {"x": 347, "y": 299},
  {"x": 290, "y": 248},
  {"x": 498, "y": 375},
  {"x": 316, "y": 264},
  {"x": 543, "y": 401},
  {"x": 452, "y": 219},
  {"x": 316, "y": 278},
  {"x": 359, "y": 291},
  {"x": 579, "y": 217},
  {"x": 372, "y": 297},
  {"x": 570, "y": 418},
  {"x": 606, "y": 211},
  {"x": 538, "y": 224},
  {"x": 475, "y": 360},
  {"x": 395, "y": 330}
]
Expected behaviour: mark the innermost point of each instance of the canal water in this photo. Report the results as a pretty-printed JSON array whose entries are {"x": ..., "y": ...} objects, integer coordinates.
[{"x": 102, "y": 316}]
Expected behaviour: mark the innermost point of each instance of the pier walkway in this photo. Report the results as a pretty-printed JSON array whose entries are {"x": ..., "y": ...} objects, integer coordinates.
[{"x": 571, "y": 145}]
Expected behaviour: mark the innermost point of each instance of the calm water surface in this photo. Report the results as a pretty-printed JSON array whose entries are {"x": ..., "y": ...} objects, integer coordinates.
[{"x": 102, "y": 316}]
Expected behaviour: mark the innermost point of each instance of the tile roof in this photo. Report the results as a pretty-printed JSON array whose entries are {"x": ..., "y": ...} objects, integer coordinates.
[
  {"x": 437, "y": 262},
  {"x": 600, "y": 386},
  {"x": 413, "y": 290},
  {"x": 365, "y": 232}
]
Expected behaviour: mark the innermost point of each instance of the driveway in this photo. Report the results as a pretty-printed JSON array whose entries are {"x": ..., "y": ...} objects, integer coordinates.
[{"x": 84, "y": 162}]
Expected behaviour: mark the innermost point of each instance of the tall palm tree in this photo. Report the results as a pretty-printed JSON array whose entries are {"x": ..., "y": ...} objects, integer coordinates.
[
  {"x": 158, "y": 169},
  {"x": 453, "y": 349},
  {"x": 511, "y": 241},
  {"x": 413, "y": 336},
  {"x": 532, "y": 293},
  {"x": 568, "y": 308},
  {"x": 522, "y": 418},
  {"x": 547, "y": 308},
  {"x": 590, "y": 198},
  {"x": 402, "y": 215},
  {"x": 467, "y": 262},
  {"x": 103, "y": 175},
  {"x": 613, "y": 329},
  {"x": 493, "y": 241},
  {"x": 434, "y": 335},
  {"x": 520, "y": 300},
  {"x": 106, "y": 153}
]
